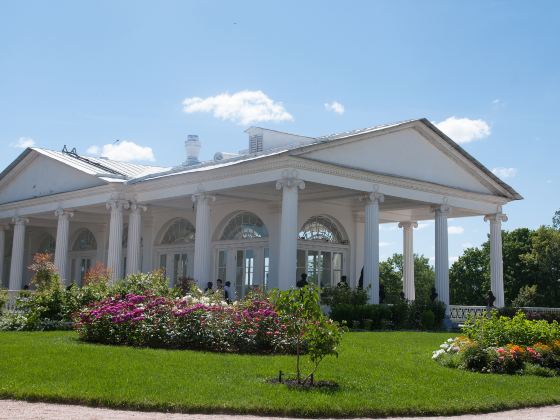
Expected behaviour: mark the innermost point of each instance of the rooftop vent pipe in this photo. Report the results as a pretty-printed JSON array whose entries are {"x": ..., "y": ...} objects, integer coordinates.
[
  {"x": 224, "y": 155},
  {"x": 192, "y": 148}
]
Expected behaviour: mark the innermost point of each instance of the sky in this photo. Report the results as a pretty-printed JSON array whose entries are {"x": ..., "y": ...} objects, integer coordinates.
[{"x": 85, "y": 74}]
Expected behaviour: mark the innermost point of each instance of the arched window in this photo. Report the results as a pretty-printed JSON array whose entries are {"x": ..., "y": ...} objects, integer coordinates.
[
  {"x": 321, "y": 228},
  {"x": 181, "y": 231},
  {"x": 244, "y": 225},
  {"x": 48, "y": 244},
  {"x": 85, "y": 241}
]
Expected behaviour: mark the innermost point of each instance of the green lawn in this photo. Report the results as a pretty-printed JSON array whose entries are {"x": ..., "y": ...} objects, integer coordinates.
[{"x": 380, "y": 373}]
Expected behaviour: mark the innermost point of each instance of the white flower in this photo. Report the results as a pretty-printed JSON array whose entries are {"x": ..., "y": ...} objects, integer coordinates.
[
  {"x": 436, "y": 354},
  {"x": 444, "y": 346},
  {"x": 450, "y": 340}
]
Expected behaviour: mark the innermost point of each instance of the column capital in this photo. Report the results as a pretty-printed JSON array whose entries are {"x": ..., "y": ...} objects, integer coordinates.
[
  {"x": 136, "y": 207},
  {"x": 442, "y": 209},
  {"x": 408, "y": 225},
  {"x": 117, "y": 205},
  {"x": 18, "y": 220},
  {"x": 373, "y": 197},
  {"x": 203, "y": 196},
  {"x": 60, "y": 212},
  {"x": 290, "y": 179},
  {"x": 496, "y": 217}
]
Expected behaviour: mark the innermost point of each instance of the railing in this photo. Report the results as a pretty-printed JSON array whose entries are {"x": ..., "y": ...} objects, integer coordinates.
[
  {"x": 459, "y": 313},
  {"x": 12, "y": 299}
]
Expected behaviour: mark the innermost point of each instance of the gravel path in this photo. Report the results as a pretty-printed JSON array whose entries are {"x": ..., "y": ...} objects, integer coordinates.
[{"x": 10, "y": 409}]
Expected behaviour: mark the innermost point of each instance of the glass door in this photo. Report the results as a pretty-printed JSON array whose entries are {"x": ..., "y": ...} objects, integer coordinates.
[
  {"x": 180, "y": 265},
  {"x": 244, "y": 271}
]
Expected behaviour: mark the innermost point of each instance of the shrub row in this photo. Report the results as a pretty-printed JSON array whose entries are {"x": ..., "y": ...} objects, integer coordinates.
[
  {"x": 404, "y": 315},
  {"x": 499, "y": 344}
]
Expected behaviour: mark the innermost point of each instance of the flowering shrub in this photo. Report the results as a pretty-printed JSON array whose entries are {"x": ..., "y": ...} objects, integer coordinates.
[
  {"x": 194, "y": 322},
  {"x": 501, "y": 345},
  {"x": 45, "y": 275}
]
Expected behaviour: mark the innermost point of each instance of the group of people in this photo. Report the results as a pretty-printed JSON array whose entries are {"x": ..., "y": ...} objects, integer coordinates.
[
  {"x": 302, "y": 282},
  {"x": 221, "y": 288}
]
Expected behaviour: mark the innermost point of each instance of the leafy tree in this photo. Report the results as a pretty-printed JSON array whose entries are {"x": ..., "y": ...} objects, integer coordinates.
[
  {"x": 556, "y": 220},
  {"x": 391, "y": 275},
  {"x": 526, "y": 297},
  {"x": 545, "y": 258},
  {"x": 469, "y": 277}
]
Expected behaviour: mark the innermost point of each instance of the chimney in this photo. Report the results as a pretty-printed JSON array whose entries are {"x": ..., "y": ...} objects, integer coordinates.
[{"x": 192, "y": 148}]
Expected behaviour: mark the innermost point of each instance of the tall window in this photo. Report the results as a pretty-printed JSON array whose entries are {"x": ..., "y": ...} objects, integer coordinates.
[
  {"x": 321, "y": 228},
  {"x": 48, "y": 244},
  {"x": 181, "y": 231},
  {"x": 244, "y": 226},
  {"x": 85, "y": 241},
  {"x": 321, "y": 252}
]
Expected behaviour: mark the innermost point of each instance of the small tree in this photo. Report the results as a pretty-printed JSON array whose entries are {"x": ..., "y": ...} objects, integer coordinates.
[
  {"x": 315, "y": 334},
  {"x": 45, "y": 275}
]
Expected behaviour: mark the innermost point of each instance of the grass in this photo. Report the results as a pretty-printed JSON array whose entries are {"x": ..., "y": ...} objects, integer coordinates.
[{"x": 379, "y": 373}]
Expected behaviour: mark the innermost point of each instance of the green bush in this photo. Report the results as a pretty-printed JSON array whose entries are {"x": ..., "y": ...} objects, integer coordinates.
[
  {"x": 3, "y": 299},
  {"x": 333, "y": 296},
  {"x": 154, "y": 283},
  {"x": 402, "y": 315},
  {"x": 495, "y": 330},
  {"x": 428, "y": 320}
]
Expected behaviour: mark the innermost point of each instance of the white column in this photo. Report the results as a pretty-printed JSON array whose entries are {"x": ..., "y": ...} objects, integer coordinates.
[
  {"x": 287, "y": 255},
  {"x": 114, "y": 256},
  {"x": 202, "y": 239},
  {"x": 133, "y": 249},
  {"x": 61, "y": 248},
  {"x": 496, "y": 262},
  {"x": 408, "y": 259},
  {"x": 16, "y": 266},
  {"x": 2, "y": 251},
  {"x": 442, "y": 255},
  {"x": 371, "y": 245}
]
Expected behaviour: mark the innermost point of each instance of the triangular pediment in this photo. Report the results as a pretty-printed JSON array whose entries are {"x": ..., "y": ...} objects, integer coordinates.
[
  {"x": 410, "y": 152},
  {"x": 34, "y": 175}
]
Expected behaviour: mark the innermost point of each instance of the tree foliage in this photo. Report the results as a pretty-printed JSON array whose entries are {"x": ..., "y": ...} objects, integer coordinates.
[
  {"x": 531, "y": 257},
  {"x": 391, "y": 277}
]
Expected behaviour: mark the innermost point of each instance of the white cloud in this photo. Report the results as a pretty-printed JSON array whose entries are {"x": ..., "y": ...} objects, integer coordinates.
[
  {"x": 93, "y": 150},
  {"x": 466, "y": 245},
  {"x": 464, "y": 130},
  {"x": 496, "y": 101},
  {"x": 244, "y": 107},
  {"x": 453, "y": 259},
  {"x": 24, "y": 143},
  {"x": 455, "y": 230},
  {"x": 124, "y": 151},
  {"x": 335, "y": 107},
  {"x": 423, "y": 225},
  {"x": 385, "y": 244},
  {"x": 505, "y": 172}
]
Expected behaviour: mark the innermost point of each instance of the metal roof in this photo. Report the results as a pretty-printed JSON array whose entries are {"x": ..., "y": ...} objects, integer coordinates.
[
  {"x": 103, "y": 168},
  {"x": 114, "y": 171}
]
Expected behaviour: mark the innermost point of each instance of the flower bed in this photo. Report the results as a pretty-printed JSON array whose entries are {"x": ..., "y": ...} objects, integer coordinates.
[
  {"x": 497, "y": 344},
  {"x": 248, "y": 326}
]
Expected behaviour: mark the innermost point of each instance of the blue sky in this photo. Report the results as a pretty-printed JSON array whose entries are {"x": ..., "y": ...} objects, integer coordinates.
[{"x": 87, "y": 73}]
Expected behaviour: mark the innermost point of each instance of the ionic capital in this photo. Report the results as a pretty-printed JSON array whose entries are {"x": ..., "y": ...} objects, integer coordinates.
[
  {"x": 373, "y": 197},
  {"x": 117, "y": 205},
  {"x": 408, "y": 225},
  {"x": 290, "y": 179},
  {"x": 18, "y": 220},
  {"x": 135, "y": 207},
  {"x": 202, "y": 197},
  {"x": 62, "y": 213},
  {"x": 495, "y": 218},
  {"x": 442, "y": 210}
]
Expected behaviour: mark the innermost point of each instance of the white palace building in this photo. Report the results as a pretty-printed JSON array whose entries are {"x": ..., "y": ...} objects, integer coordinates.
[{"x": 289, "y": 204}]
